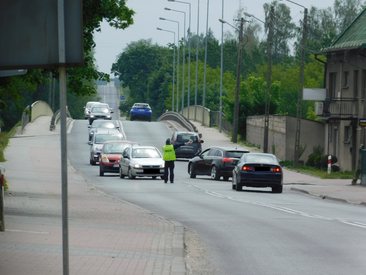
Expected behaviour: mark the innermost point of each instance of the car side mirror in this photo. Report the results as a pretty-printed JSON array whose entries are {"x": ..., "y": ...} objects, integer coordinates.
[
  {"x": 90, "y": 143},
  {"x": 201, "y": 141},
  {"x": 89, "y": 126}
]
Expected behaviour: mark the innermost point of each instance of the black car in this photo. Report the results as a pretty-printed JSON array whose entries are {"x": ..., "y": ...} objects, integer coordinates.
[
  {"x": 183, "y": 150},
  {"x": 258, "y": 170},
  {"x": 216, "y": 162}
]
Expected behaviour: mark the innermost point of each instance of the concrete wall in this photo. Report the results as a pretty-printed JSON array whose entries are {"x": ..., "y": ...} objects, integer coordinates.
[
  {"x": 281, "y": 135},
  {"x": 40, "y": 108}
]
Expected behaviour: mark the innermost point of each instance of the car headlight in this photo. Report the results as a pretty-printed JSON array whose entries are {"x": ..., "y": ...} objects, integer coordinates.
[
  {"x": 136, "y": 165},
  {"x": 161, "y": 166},
  {"x": 91, "y": 115},
  {"x": 104, "y": 158}
]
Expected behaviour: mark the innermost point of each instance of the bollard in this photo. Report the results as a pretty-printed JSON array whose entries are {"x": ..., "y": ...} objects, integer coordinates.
[
  {"x": 2, "y": 181},
  {"x": 329, "y": 164}
]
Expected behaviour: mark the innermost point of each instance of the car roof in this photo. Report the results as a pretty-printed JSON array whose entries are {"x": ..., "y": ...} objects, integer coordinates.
[
  {"x": 224, "y": 148},
  {"x": 185, "y": 132}
]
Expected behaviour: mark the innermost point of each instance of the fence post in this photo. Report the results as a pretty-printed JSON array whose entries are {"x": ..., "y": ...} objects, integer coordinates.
[{"x": 2, "y": 186}]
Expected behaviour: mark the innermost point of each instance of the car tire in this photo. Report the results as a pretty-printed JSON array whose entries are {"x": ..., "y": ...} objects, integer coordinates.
[
  {"x": 101, "y": 171},
  {"x": 215, "y": 173},
  {"x": 92, "y": 162},
  {"x": 191, "y": 171},
  {"x": 233, "y": 184},
  {"x": 120, "y": 173},
  {"x": 131, "y": 118},
  {"x": 130, "y": 176},
  {"x": 226, "y": 178},
  {"x": 154, "y": 177},
  {"x": 277, "y": 189},
  {"x": 238, "y": 187}
]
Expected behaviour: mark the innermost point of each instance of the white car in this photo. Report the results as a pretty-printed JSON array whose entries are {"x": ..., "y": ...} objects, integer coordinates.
[
  {"x": 99, "y": 139},
  {"x": 87, "y": 108},
  {"x": 141, "y": 161}
]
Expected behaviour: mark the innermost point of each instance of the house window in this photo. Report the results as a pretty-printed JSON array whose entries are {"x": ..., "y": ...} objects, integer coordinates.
[
  {"x": 355, "y": 84},
  {"x": 345, "y": 79},
  {"x": 347, "y": 134},
  {"x": 332, "y": 84}
]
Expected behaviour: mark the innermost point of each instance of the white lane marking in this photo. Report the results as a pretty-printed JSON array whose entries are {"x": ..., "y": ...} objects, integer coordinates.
[
  {"x": 26, "y": 231},
  {"x": 279, "y": 208}
]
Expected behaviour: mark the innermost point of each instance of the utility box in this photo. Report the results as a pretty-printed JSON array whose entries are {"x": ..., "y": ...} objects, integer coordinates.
[{"x": 363, "y": 166}]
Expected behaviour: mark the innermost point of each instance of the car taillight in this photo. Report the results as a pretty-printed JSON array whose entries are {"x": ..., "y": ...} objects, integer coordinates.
[
  {"x": 225, "y": 160},
  {"x": 276, "y": 169},
  {"x": 247, "y": 168}
]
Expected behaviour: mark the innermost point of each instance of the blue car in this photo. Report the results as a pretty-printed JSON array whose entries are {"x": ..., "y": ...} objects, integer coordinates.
[{"x": 141, "y": 111}]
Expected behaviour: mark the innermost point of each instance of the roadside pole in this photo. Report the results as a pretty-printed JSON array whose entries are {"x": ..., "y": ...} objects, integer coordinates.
[{"x": 2, "y": 187}]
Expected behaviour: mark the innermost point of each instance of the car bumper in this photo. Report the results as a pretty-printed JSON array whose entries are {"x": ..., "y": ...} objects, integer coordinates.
[
  {"x": 259, "y": 180},
  {"x": 147, "y": 172},
  {"x": 109, "y": 167}
]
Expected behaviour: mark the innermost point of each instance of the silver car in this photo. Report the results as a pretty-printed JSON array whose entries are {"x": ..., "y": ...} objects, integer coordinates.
[{"x": 141, "y": 161}]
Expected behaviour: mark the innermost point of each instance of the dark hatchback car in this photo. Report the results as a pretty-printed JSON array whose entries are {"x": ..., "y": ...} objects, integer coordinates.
[
  {"x": 141, "y": 111},
  {"x": 99, "y": 111},
  {"x": 187, "y": 150},
  {"x": 258, "y": 170},
  {"x": 216, "y": 162}
]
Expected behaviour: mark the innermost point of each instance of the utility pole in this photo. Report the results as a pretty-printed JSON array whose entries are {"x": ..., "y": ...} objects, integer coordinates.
[
  {"x": 269, "y": 79},
  {"x": 299, "y": 96},
  {"x": 237, "y": 91}
]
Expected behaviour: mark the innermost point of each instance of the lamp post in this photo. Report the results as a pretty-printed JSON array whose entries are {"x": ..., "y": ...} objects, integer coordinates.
[
  {"x": 197, "y": 46},
  {"x": 299, "y": 95},
  {"x": 205, "y": 65},
  {"x": 184, "y": 53},
  {"x": 165, "y": 19},
  {"x": 173, "y": 89},
  {"x": 221, "y": 66},
  {"x": 189, "y": 52},
  {"x": 237, "y": 90},
  {"x": 269, "y": 73}
]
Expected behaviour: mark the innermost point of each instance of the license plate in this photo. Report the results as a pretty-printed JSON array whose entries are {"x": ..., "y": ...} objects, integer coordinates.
[{"x": 115, "y": 165}]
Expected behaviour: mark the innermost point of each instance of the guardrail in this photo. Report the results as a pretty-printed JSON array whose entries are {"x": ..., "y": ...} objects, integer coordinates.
[
  {"x": 184, "y": 122},
  {"x": 2, "y": 187},
  {"x": 56, "y": 117}
]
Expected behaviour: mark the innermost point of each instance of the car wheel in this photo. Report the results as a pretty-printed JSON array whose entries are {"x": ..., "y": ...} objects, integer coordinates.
[
  {"x": 154, "y": 177},
  {"x": 226, "y": 178},
  {"x": 215, "y": 173},
  {"x": 101, "y": 171},
  {"x": 92, "y": 162},
  {"x": 121, "y": 174},
  {"x": 130, "y": 176},
  {"x": 238, "y": 187},
  {"x": 131, "y": 118},
  {"x": 191, "y": 171},
  {"x": 233, "y": 182},
  {"x": 277, "y": 189}
]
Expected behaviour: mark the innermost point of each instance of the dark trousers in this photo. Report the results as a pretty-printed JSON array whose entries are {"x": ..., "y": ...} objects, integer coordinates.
[{"x": 169, "y": 170}]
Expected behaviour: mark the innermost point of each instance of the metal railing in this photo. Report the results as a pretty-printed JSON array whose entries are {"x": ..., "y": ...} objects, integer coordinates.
[{"x": 341, "y": 107}]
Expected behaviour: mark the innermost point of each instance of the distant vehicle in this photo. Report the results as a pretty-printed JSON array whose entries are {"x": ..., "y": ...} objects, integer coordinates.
[
  {"x": 141, "y": 111},
  {"x": 99, "y": 111},
  {"x": 102, "y": 124},
  {"x": 141, "y": 161},
  {"x": 99, "y": 139},
  {"x": 216, "y": 162},
  {"x": 258, "y": 170},
  {"x": 189, "y": 150},
  {"x": 111, "y": 155},
  {"x": 87, "y": 108}
]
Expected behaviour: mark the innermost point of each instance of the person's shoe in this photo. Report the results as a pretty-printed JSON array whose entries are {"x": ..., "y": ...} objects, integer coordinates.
[
  {"x": 172, "y": 182},
  {"x": 165, "y": 182}
]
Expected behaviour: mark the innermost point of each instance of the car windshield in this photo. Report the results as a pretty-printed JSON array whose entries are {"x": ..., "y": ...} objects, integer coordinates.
[
  {"x": 99, "y": 110},
  {"x": 114, "y": 148},
  {"x": 106, "y": 137},
  {"x": 145, "y": 153},
  {"x": 103, "y": 124},
  {"x": 141, "y": 106},
  {"x": 260, "y": 158},
  {"x": 185, "y": 137},
  {"x": 234, "y": 154}
]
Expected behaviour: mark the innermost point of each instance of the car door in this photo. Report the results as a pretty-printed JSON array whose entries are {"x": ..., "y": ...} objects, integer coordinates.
[
  {"x": 125, "y": 161},
  {"x": 208, "y": 161},
  {"x": 199, "y": 163}
]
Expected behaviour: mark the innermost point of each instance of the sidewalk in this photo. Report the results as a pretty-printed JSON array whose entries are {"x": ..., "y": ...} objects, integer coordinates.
[
  {"x": 336, "y": 189},
  {"x": 106, "y": 236}
]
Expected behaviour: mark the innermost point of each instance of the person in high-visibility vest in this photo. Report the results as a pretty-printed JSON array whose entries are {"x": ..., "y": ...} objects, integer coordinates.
[{"x": 169, "y": 159}]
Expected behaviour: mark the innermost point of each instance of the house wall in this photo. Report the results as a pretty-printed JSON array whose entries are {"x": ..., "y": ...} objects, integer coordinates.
[{"x": 281, "y": 136}]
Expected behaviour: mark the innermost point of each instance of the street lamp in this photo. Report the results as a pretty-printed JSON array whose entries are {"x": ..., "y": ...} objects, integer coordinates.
[
  {"x": 197, "y": 46},
  {"x": 299, "y": 95},
  {"x": 184, "y": 52},
  {"x": 173, "y": 89},
  {"x": 221, "y": 66},
  {"x": 165, "y": 19},
  {"x": 238, "y": 69},
  {"x": 205, "y": 65},
  {"x": 189, "y": 53},
  {"x": 269, "y": 74}
]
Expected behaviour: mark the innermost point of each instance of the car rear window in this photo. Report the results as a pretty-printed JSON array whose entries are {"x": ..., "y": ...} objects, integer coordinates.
[
  {"x": 234, "y": 154},
  {"x": 141, "y": 106},
  {"x": 187, "y": 137},
  {"x": 261, "y": 159},
  {"x": 145, "y": 153}
]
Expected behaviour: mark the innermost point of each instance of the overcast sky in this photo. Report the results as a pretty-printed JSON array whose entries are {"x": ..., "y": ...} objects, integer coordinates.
[{"x": 111, "y": 42}]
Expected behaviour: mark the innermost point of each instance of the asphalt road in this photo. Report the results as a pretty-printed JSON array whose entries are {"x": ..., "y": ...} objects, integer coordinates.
[{"x": 251, "y": 232}]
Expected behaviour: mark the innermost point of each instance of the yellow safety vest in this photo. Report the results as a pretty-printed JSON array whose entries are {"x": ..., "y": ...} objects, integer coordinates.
[{"x": 168, "y": 153}]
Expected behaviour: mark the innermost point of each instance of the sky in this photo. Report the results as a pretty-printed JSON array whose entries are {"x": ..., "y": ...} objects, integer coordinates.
[{"x": 111, "y": 42}]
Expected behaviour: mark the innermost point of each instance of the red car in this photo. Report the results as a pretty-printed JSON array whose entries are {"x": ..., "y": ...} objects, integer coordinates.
[{"x": 110, "y": 156}]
